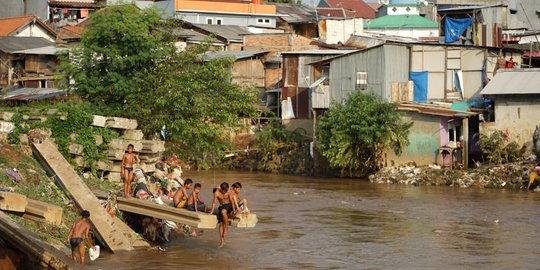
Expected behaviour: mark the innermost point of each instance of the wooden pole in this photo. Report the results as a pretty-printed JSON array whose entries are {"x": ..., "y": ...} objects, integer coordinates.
[{"x": 465, "y": 143}]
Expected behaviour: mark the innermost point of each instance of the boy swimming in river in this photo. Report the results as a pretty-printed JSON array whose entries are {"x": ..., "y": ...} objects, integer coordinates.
[
  {"x": 222, "y": 195},
  {"x": 77, "y": 234},
  {"x": 128, "y": 160},
  {"x": 241, "y": 204},
  {"x": 180, "y": 197},
  {"x": 194, "y": 202}
]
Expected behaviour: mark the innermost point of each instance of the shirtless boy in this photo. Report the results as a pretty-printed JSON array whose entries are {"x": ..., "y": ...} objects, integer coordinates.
[
  {"x": 180, "y": 197},
  {"x": 128, "y": 160},
  {"x": 235, "y": 195},
  {"x": 77, "y": 234},
  {"x": 194, "y": 202},
  {"x": 223, "y": 195}
]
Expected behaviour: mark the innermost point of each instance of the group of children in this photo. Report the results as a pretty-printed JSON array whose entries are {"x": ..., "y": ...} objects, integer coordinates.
[{"x": 229, "y": 200}]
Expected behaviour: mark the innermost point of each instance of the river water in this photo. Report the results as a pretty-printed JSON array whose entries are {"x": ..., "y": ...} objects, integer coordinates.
[{"x": 310, "y": 223}]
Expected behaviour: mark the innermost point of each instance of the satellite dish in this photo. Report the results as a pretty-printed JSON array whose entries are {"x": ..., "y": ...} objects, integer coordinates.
[
  {"x": 384, "y": 2},
  {"x": 424, "y": 2}
]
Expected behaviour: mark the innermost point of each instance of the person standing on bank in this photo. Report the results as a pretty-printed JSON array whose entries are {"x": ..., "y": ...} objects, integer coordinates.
[{"x": 128, "y": 160}]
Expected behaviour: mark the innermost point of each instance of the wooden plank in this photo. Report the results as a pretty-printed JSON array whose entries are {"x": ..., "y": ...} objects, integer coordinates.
[
  {"x": 111, "y": 231},
  {"x": 99, "y": 121},
  {"x": 149, "y": 146},
  {"x": 6, "y": 116},
  {"x": 244, "y": 220},
  {"x": 133, "y": 134},
  {"x": 29, "y": 244},
  {"x": 166, "y": 211},
  {"x": 395, "y": 92},
  {"x": 121, "y": 144},
  {"x": 14, "y": 202},
  {"x": 49, "y": 213},
  {"x": 121, "y": 123}
]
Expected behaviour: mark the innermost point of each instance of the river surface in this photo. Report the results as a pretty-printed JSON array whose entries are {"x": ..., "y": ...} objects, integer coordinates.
[{"x": 310, "y": 223}]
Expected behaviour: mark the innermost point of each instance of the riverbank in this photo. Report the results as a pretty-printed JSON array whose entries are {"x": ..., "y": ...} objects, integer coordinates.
[{"x": 505, "y": 176}]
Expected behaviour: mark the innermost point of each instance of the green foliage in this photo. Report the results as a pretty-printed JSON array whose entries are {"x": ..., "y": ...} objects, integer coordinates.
[
  {"x": 497, "y": 147},
  {"x": 354, "y": 135},
  {"x": 279, "y": 150},
  {"x": 119, "y": 43},
  {"x": 128, "y": 66}
]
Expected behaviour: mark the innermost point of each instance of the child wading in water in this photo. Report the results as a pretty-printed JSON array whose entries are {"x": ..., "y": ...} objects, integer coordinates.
[
  {"x": 77, "y": 234},
  {"x": 223, "y": 195},
  {"x": 127, "y": 169}
]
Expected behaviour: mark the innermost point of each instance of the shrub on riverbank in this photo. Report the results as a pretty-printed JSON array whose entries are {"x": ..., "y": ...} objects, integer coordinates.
[
  {"x": 276, "y": 150},
  {"x": 497, "y": 147},
  {"x": 353, "y": 136}
]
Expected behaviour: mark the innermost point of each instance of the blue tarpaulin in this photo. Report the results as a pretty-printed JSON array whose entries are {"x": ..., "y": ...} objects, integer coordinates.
[
  {"x": 420, "y": 80},
  {"x": 454, "y": 28}
]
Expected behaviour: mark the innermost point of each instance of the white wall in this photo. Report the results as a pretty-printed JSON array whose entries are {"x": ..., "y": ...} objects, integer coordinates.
[
  {"x": 35, "y": 30},
  {"x": 341, "y": 30},
  {"x": 411, "y": 33},
  {"x": 402, "y": 10}
]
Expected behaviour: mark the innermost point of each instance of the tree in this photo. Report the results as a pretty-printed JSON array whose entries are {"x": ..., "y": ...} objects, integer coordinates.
[
  {"x": 127, "y": 65},
  {"x": 353, "y": 136},
  {"x": 119, "y": 42}
]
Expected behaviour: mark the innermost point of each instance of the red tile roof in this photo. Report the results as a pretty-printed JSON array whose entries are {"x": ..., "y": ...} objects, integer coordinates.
[
  {"x": 9, "y": 25},
  {"x": 354, "y": 8},
  {"x": 375, "y": 6},
  {"x": 72, "y": 4},
  {"x": 332, "y": 12}
]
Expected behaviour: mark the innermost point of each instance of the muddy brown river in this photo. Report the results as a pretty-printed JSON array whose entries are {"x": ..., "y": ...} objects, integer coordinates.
[{"x": 310, "y": 223}]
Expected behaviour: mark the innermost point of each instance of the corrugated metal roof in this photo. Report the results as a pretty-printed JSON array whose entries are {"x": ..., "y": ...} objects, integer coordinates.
[
  {"x": 426, "y": 108},
  {"x": 320, "y": 52},
  {"x": 48, "y": 50},
  {"x": 236, "y": 55},
  {"x": 228, "y": 32},
  {"x": 469, "y": 7},
  {"x": 514, "y": 81},
  {"x": 295, "y": 13},
  {"x": 13, "y": 44},
  {"x": 32, "y": 93}
]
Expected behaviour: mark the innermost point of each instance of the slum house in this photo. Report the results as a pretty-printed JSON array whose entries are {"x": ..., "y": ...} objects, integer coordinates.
[
  {"x": 248, "y": 66},
  {"x": 229, "y": 35},
  {"x": 27, "y": 62},
  {"x": 276, "y": 43},
  {"x": 516, "y": 99},
  {"x": 448, "y": 72},
  {"x": 16, "y": 8},
  {"x": 226, "y": 12},
  {"x": 426, "y": 9},
  {"x": 440, "y": 74},
  {"x": 64, "y": 12},
  {"x": 298, "y": 77},
  {"x": 26, "y": 26},
  {"x": 298, "y": 19},
  {"x": 189, "y": 37},
  {"x": 508, "y": 14},
  {"x": 434, "y": 137}
]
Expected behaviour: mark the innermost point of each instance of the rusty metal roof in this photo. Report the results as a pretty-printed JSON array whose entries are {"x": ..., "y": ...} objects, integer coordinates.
[
  {"x": 295, "y": 13},
  {"x": 514, "y": 82},
  {"x": 432, "y": 109},
  {"x": 13, "y": 44},
  {"x": 27, "y": 93}
]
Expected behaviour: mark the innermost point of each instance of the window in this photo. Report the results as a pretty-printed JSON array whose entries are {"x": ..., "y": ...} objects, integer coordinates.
[
  {"x": 219, "y": 21},
  {"x": 263, "y": 21},
  {"x": 361, "y": 80},
  {"x": 209, "y": 20}
]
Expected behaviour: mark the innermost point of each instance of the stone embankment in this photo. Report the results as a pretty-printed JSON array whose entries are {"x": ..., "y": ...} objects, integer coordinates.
[{"x": 507, "y": 176}]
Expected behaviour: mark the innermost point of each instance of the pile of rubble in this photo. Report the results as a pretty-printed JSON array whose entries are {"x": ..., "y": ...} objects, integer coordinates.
[
  {"x": 511, "y": 176},
  {"x": 149, "y": 151}
]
